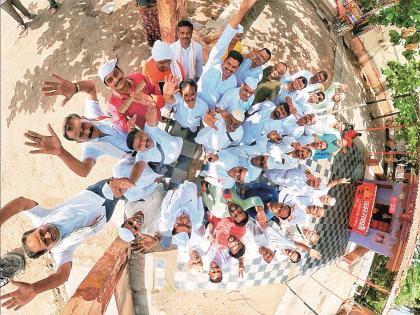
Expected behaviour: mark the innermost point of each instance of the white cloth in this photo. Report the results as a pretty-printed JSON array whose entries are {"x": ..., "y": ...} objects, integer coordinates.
[
  {"x": 145, "y": 185},
  {"x": 216, "y": 140},
  {"x": 80, "y": 217},
  {"x": 245, "y": 70},
  {"x": 298, "y": 204},
  {"x": 323, "y": 125},
  {"x": 284, "y": 92},
  {"x": 311, "y": 87},
  {"x": 112, "y": 144},
  {"x": 231, "y": 100},
  {"x": 281, "y": 160},
  {"x": 171, "y": 146},
  {"x": 150, "y": 207},
  {"x": 190, "y": 58},
  {"x": 187, "y": 117},
  {"x": 211, "y": 87},
  {"x": 183, "y": 200},
  {"x": 220, "y": 256}
]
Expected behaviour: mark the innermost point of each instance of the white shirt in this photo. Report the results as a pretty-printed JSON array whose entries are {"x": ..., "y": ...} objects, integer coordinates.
[
  {"x": 216, "y": 140},
  {"x": 211, "y": 87},
  {"x": 220, "y": 256},
  {"x": 245, "y": 70},
  {"x": 183, "y": 200},
  {"x": 171, "y": 146},
  {"x": 298, "y": 204},
  {"x": 112, "y": 144},
  {"x": 231, "y": 100},
  {"x": 323, "y": 125},
  {"x": 84, "y": 210},
  {"x": 311, "y": 87},
  {"x": 145, "y": 185},
  {"x": 189, "y": 117},
  {"x": 185, "y": 57},
  {"x": 150, "y": 206}
]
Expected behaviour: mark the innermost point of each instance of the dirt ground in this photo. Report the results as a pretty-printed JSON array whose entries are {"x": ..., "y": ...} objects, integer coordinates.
[{"x": 73, "y": 43}]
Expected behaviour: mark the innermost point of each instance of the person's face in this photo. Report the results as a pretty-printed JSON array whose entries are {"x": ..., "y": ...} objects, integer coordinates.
[
  {"x": 279, "y": 209},
  {"x": 301, "y": 153},
  {"x": 315, "y": 98},
  {"x": 279, "y": 112},
  {"x": 292, "y": 254},
  {"x": 185, "y": 35},
  {"x": 238, "y": 173},
  {"x": 183, "y": 223},
  {"x": 341, "y": 143},
  {"x": 164, "y": 65},
  {"x": 142, "y": 142},
  {"x": 215, "y": 272},
  {"x": 298, "y": 84},
  {"x": 234, "y": 244},
  {"x": 336, "y": 97},
  {"x": 135, "y": 223},
  {"x": 231, "y": 123},
  {"x": 81, "y": 130},
  {"x": 319, "y": 145},
  {"x": 189, "y": 95},
  {"x": 316, "y": 211},
  {"x": 195, "y": 259},
  {"x": 261, "y": 57},
  {"x": 325, "y": 199},
  {"x": 308, "y": 233},
  {"x": 116, "y": 80},
  {"x": 309, "y": 119},
  {"x": 229, "y": 67},
  {"x": 314, "y": 182},
  {"x": 278, "y": 71},
  {"x": 266, "y": 253},
  {"x": 260, "y": 161},
  {"x": 42, "y": 238},
  {"x": 319, "y": 77},
  {"x": 236, "y": 212},
  {"x": 274, "y": 136},
  {"x": 245, "y": 92}
]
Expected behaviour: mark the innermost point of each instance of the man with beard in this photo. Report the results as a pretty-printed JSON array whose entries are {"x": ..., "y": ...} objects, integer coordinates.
[
  {"x": 60, "y": 231},
  {"x": 188, "y": 52},
  {"x": 218, "y": 76},
  {"x": 290, "y": 88}
]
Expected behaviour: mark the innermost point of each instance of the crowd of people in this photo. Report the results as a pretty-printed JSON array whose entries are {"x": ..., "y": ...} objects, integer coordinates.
[{"x": 257, "y": 125}]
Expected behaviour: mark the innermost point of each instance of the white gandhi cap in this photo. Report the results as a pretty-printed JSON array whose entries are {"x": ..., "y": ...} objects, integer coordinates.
[{"x": 107, "y": 68}]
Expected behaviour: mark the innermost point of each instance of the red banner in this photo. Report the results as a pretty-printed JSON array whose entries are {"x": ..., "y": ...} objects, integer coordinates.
[
  {"x": 361, "y": 213},
  {"x": 393, "y": 204}
]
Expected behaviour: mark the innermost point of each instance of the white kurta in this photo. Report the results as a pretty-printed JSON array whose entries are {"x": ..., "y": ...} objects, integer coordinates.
[
  {"x": 189, "y": 117},
  {"x": 216, "y": 140},
  {"x": 231, "y": 100},
  {"x": 245, "y": 70},
  {"x": 211, "y": 87},
  {"x": 171, "y": 146}
]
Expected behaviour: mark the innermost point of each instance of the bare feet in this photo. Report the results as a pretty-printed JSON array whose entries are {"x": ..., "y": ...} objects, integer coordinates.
[{"x": 53, "y": 10}]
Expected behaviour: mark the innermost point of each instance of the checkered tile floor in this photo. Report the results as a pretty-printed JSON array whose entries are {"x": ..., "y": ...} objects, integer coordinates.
[{"x": 332, "y": 227}]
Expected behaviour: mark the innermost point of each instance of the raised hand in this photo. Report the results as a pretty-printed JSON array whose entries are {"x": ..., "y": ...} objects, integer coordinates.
[
  {"x": 131, "y": 122},
  {"x": 44, "y": 144},
  {"x": 344, "y": 181},
  {"x": 121, "y": 183},
  {"x": 22, "y": 296},
  {"x": 262, "y": 219},
  {"x": 210, "y": 119},
  {"x": 144, "y": 243},
  {"x": 59, "y": 87},
  {"x": 314, "y": 254},
  {"x": 171, "y": 85},
  {"x": 241, "y": 269},
  {"x": 140, "y": 97}
]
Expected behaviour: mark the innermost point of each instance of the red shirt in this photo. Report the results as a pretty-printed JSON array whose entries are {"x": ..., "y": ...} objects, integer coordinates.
[
  {"x": 116, "y": 101},
  {"x": 222, "y": 228}
]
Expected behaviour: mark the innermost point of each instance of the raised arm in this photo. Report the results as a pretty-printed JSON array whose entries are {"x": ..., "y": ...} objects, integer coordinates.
[
  {"x": 14, "y": 207},
  {"x": 311, "y": 252},
  {"x": 243, "y": 10},
  {"x": 27, "y": 291},
  {"x": 52, "y": 145},
  {"x": 336, "y": 182},
  {"x": 66, "y": 88}
]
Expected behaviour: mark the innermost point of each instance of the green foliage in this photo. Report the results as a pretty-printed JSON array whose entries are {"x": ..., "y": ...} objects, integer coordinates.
[
  {"x": 379, "y": 275},
  {"x": 409, "y": 295},
  {"x": 404, "y": 81},
  {"x": 403, "y": 15}
]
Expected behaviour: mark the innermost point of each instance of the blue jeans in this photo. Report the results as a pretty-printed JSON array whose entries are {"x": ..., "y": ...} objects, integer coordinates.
[{"x": 108, "y": 204}]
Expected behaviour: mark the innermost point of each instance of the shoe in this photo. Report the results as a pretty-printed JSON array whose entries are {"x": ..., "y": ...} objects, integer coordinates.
[
  {"x": 22, "y": 27},
  {"x": 32, "y": 16}
]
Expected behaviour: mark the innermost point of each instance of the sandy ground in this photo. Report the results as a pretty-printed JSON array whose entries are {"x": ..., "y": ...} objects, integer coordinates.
[{"x": 73, "y": 43}]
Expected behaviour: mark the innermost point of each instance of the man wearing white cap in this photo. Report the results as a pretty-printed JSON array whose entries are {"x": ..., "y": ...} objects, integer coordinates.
[
  {"x": 221, "y": 130},
  {"x": 241, "y": 97},
  {"x": 303, "y": 208},
  {"x": 279, "y": 159},
  {"x": 217, "y": 75},
  {"x": 252, "y": 66},
  {"x": 187, "y": 51}
]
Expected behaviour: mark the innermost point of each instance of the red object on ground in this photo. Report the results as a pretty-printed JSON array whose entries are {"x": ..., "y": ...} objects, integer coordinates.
[
  {"x": 393, "y": 205},
  {"x": 361, "y": 213}
]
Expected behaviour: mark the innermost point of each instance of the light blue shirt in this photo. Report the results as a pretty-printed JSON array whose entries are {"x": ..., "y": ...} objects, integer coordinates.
[
  {"x": 211, "y": 87},
  {"x": 245, "y": 70},
  {"x": 231, "y": 100},
  {"x": 189, "y": 117}
]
